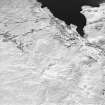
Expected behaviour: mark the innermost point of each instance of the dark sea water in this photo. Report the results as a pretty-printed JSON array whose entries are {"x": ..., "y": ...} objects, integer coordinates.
[{"x": 69, "y": 10}]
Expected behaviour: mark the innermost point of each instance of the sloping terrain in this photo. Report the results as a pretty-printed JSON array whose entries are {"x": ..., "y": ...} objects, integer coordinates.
[{"x": 45, "y": 62}]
